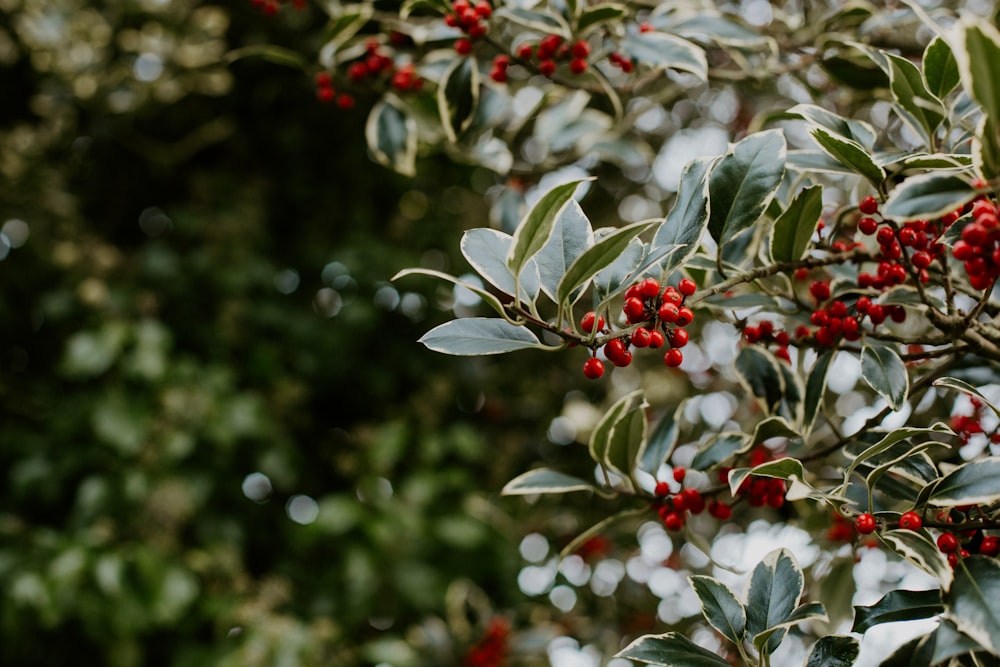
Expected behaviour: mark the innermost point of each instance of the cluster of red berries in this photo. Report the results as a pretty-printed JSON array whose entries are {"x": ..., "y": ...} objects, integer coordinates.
[
  {"x": 866, "y": 524},
  {"x": 967, "y": 426},
  {"x": 674, "y": 508},
  {"x": 957, "y": 546},
  {"x": 760, "y": 491},
  {"x": 271, "y": 7},
  {"x": 840, "y": 530},
  {"x": 553, "y": 48},
  {"x": 379, "y": 63},
  {"x": 763, "y": 333},
  {"x": 921, "y": 237},
  {"x": 662, "y": 318},
  {"x": 836, "y": 320},
  {"x": 470, "y": 19},
  {"x": 491, "y": 650},
  {"x": 979, "y": 249},
  {"x": 325, "y": 92}
]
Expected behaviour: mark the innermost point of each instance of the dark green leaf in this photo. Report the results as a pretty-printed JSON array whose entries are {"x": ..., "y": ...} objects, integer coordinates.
[
  {"x": 815, "y": 386},
  {"x": 534, "y": 231},
  {"x": 743, "y": 183},
  {"x": 940, "y": 68},
  {"x": 571, "y": 236},
  {"x": 662, "y": 50},
  {"x": 770, "y": 639},
  {"x": 850, "y": 154},
  {"x": 349, "y": 19},
  {"x": 606, "y": 446},
  {"x": 545, "y": 22},
  {"x": 972, "y": 483},
  {"x": 759, "y": 372},
  {"x": 660, "y": 443},
  {"x": 918, "y": 107},
  {"x": 977, "y": 54},
  {"x": 486, "y": 250},
  {"x": 597, "y": 15},
  {"x": 986, "y": 147},
  {"x": 543, "y": 480},
  {"x": 774, "y": 590},
  {"x": 722, "y": 609},
  {"x": 785, "y": 468},
  {"x": 834, "y": 651},
  {"x": 971, "y": 601},
  {"x": 720, "y": 448},
  {"x": 671, "y": 649},
  {"x": 918, "y": 548},
  {"x": 391, "y": 133},
  {"x": 890, "y": 440},
  {"x": 688, "y": 217},
  {"x": 602, "y": 254},
  {"x": 884, "y": 371},
  {"x": 844, "y": 128},
  {"x": 796, "y": 225},
  {"x": 950, "y": 642},
  {"x": 773, "y": 427},
  {"x": 270, "y": 53},
  {"x": 472, "y": 336},
  {"x": 810, "y": 161},
  {"x": 928, "y": 196},
  {"x": 898, "y": 605},
  {"x": 614, "y": 279},
  {"x": 458, "y": 96}
]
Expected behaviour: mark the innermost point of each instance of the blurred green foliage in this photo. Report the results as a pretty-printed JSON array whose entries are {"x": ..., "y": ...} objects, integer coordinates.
[{"x": 200, "y": 315}]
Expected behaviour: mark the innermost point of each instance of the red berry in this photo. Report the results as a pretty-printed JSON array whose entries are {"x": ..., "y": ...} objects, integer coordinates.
[
  {"x": 947, "y": 543},
  {"x": 662, "y": 490},
  {"x": 463, "y": 46},
  {"x": 679, "y": 474},
  {"x": 671, "y": 295},
  {"x": 324, "y": 79},
  {"x": 673, "y": 521},
  {"x": 656, "y": 339},
  {"x": 719, "y": 510},
  {"x": 685, "y": 316},
  {"x": 867, "y": 226},
  {"x": 990, "y": 546},
  {"x": 679, "y": 337},
  {"x": 650, "y": 288},
  {"x": 593, "y": 368},
  {"x": 641, "y": 337},
  {"x": 693, "y": 500},
  {"x": 687, "y": 287},
  {"x": 635, "y": 310},
  {"x": 588, "y": 320},
  {"x": 921, "y": 259},
  {"x": 345, "y": 101},
  {"x": 578, "y": 66},
  {"x": 547, "y": 67},
  {"x": 324, "y": 94},
  {"x": 885, "y": 236},
  {"x": 581, "y": 49},
  {"x": 910, "y": 521},
  {"x": 820, "y": 290},
  {"x": 498, "y": 75},
  {"x": 868, "y": 205},
  {"x": 668, "y": 312},
  {"x": 484, "y": 9},
  {"x": 673, "y": 357},
  {"x": 525, "y": 51},
  {"x": 616, "y": 352},
  {"x": 865, "y": 523},
  {"x": 679, "y": 502}
]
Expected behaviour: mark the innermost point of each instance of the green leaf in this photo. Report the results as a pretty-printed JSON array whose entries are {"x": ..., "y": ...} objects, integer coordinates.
[
  {"x": 534, "y": 231},
  {"x": 600, "y": 527},
  {"x": 898, "y": 605},
  {"x": 845, "y": 128},
  {"x": 688, "y": 217},
  {"x": 458, "y": 96},
  {"x": 786, "y": 468},
  {"x": 986, "y": 147},
  {"x": 965, "y": 388},
  {"x": 928, "y": 196},
  {"x": 918, "y": 548},
  {"x": 972, "y": 483},
  {"x": 889, "y": 441},
  {"x": 617, "y": 432},
  {"x": 940, "y": 68},
  {"x": 796, "y": 225},
  {"x": 977, "y": 54},
  {"x": 600, "y": 255},
  {"x": 815, "y": 387},
  {"x": 487, "y": 297},
  {"x": 758, "y": 371},
  {"x": 716, "y": 28},
  {"x": 270, "y": 53},
  {"x": 918, "y": 108},
  {"x": 670, "y": 649},
  {"x": 544, "y": 480},
  {"x": 971, "y": 601},
  {"x": 661, "y": 443},
  {"x": 768, "y": 640},
  {"x": 474, "y": 336},
  {"x": 486, "y": 251},
  {"x": 950, "y": 642},
  {"x": 719, "y": 448},
  {"x": 884, "y": 371},
  {"x": 571, "y": 236},
  {"x": 597, "y": 15},
  {"x": 743, "y": 183},
  {"x": 391, "y": 133},
  {"x": 409, "y": 6},
  {"x": 722, "y": 609},
  {"x": 774, "y": 590},
  {"x": 662, "y": 50},
  {"x": 545, "y": 22},
  {"x": 347, "y": 21},
  {"x": 614, "y": 279},
  {"x": 834, "y": 651},
  {"x": 851, "y": 154},
  {"x": 773, "y": 427}
]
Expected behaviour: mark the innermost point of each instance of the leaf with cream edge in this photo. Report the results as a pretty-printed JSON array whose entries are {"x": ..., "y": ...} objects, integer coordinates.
[
  {"x": 884, "y": 371},
  {"x": 794, "y": 228},
  {"x": 487, "y": 297},
  {"x": 851, "y": 154},
  {"x": 773, "y": 592},
  {"x": 458, "y": 96},
  {"x": 486, "y": 251},
  {"x": 971, "y": 601},
  {"x": 973, "y": 483},
  {"x": 477, "y": 336},
  {"x": 918, "y": 548},
  {"x": 600, "y": 255},
  {"x": 534, "y": 231},
  {"x": 544, "y": 480},
  {"x": 928, "y": 196},
  {"x": 722, "y": 609},
  {"x": 688, "y": 217},
  {"x": 659, "y": 49},
  {"x": 571, "y": 236},
  {"x": 834, "y": 651},
  {"x": 670, "y": 649},
  {"x": 391, "y": 133}
]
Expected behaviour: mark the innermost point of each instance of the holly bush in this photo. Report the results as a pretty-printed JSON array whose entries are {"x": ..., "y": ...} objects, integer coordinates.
[{"x": 819, "y": 285}]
